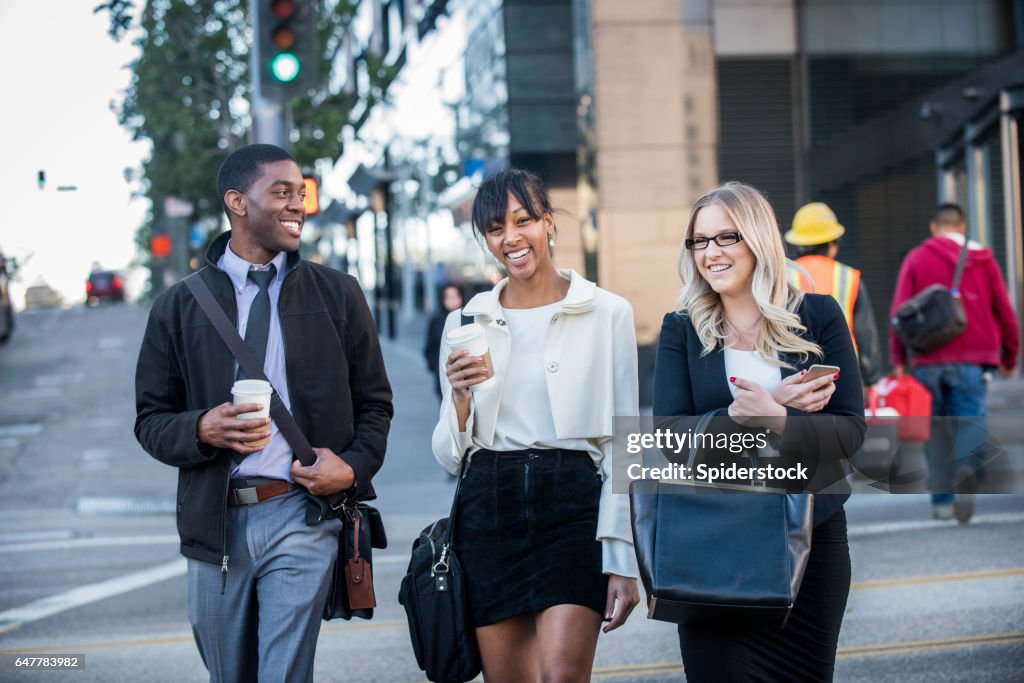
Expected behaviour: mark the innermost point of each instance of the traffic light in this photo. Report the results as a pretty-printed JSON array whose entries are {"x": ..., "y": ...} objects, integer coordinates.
[
  {"x": 41, "y": 179},
  {"x": 160, "y": 246},
  {"x": 289, "y": 46},
  {"x": 312, "y": 199}
]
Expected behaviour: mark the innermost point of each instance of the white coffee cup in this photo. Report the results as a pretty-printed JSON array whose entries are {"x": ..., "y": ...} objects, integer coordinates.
[
  {"x": 473, "y": 338},
  {"x": 253, "y": 391}
]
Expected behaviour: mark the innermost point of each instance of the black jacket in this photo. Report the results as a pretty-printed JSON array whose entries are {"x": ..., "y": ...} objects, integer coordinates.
[
  {"x": 339, "y": 390},
  {"x": 432, "y": 346},
  {"x": 688, "y": 384}
]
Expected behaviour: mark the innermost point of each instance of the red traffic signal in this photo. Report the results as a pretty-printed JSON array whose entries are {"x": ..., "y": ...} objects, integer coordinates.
[
  {"x": 160, "y": 246},
  {"x": 282, "y": 9}
]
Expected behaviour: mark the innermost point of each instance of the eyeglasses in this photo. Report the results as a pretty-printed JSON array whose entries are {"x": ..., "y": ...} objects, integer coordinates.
[{"x": 724, "y": 239}]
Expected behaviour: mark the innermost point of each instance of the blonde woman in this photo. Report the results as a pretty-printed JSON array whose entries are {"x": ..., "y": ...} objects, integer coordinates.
[
  {"x": 738, "y": 344},
  {"x": 544, "y": 544}
]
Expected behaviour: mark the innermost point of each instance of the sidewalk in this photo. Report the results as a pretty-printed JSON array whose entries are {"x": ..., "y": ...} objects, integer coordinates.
[{"x": 1006, "y": 396}]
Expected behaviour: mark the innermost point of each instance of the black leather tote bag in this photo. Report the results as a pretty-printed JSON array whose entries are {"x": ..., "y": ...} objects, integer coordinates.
[{"x": 714, "y": 553}]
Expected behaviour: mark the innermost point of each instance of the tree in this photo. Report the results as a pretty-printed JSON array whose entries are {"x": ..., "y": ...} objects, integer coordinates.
[{"x": 189, "y": 94}]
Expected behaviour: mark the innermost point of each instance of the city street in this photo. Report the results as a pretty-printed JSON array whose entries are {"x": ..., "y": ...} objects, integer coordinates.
[{"x": 89, "y": 562}]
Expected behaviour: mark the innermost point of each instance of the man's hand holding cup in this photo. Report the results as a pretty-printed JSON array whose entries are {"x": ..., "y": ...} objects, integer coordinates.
[{"x": 222, "y": 427}]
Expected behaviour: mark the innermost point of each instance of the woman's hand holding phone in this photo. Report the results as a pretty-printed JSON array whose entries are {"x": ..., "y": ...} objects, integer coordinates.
[{"x": 809, "y": 390}]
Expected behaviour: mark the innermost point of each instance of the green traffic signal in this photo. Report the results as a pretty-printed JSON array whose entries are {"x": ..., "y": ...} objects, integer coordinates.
[
  {"x": 288, "y": 46},
  {"x": 285, "y": 67}
]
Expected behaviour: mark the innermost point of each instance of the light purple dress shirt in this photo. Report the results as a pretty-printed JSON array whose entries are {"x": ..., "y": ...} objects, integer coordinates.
[{"x": 274, "y": 461}]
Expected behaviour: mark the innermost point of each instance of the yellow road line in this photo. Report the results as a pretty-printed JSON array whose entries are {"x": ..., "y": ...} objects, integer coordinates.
[
  {"x": 940, "y": 645},
  {"x": 921, "y": 580},
  {"x": 364, "y": 626},
  {"x": 648, "y": 670},
  {"x": 177, "y": 640},
  {"x": 852, "y": 652},
  {"x": 847, "y": 652}
]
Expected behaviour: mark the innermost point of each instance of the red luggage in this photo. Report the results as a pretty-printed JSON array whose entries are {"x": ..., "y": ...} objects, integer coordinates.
[{"x": 911, "y": 400}]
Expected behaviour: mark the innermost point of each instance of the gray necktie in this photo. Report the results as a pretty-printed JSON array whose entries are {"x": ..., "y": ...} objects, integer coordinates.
[{"x": 257, "y": 329}]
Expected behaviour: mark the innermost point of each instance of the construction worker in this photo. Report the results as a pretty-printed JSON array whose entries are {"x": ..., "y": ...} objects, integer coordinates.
[{"x": 816, "y": 234}]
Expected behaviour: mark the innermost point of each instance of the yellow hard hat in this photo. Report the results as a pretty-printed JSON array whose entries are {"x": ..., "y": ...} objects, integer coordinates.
[{"x": 814, "y": 224}]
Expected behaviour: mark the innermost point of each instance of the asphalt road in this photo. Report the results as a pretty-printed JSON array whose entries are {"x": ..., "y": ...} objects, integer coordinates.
[{"x": 89, "y": 563}]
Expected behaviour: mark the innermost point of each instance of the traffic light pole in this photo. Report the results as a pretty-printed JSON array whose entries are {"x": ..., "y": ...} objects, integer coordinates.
[{"x": 268, "y": 123}]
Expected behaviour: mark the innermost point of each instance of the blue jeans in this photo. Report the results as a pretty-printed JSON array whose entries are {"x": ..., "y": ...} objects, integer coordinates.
[{"x": 958, "y": 391}]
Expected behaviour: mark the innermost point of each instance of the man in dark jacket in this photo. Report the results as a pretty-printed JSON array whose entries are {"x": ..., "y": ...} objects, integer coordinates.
[
  {"x": 258, "y": 575},
  {"x": 957, "y": 373}
]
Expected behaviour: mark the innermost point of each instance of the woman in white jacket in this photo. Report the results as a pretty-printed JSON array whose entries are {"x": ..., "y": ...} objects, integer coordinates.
[{"x": 544, "y": 543}]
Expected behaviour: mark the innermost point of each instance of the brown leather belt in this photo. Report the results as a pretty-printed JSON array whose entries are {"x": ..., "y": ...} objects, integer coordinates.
[{"x": 257, "y": 490}]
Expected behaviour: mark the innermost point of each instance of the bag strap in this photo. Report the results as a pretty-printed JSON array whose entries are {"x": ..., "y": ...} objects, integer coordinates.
[
  {"x": 357, "y": 518},
  {"x": 455, "y": 502},
  {"x": 961, "y": 262},
  {"x": 702, "y": 424},
  {"x": 243, "y": 354}
]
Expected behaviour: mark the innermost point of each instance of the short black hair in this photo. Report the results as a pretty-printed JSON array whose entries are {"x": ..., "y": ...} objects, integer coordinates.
[
  {"x": 244, "y": 166},
  {"x": 948, "y": 214},
  {"x": 451, "y": 285},
  {"x": 491, "y": 202},
  {"x": 815, "y": 249}
]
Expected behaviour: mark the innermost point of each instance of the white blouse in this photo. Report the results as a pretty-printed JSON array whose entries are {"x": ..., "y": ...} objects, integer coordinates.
[
  {"x": 525, "y": 419},
  {"x": 749, "y": 366}
]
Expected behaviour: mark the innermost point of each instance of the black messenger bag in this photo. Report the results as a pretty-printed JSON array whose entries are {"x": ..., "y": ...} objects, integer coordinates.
[
  {"x": 934, "y": 316},
  {"x": 433, "y": 593}
]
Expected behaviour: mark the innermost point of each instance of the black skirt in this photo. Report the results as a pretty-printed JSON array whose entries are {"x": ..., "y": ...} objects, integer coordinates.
[
  {"x": 805, "y": 650},
  {"x": 525, "y": 533}
]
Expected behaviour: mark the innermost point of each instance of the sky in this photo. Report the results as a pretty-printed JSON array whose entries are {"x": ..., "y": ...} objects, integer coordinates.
[{"x": 62, "y": 72}]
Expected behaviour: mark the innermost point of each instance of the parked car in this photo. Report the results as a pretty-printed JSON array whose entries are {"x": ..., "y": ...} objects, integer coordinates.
[
  {"x": 104, "y": 285},
  {"x": 6, "y": 309},
  {"x": 42, "y": 295}
]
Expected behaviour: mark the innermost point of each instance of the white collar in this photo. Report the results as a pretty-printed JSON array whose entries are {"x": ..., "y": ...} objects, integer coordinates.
[
  {"x": 579, "y": 298},
  {"x": 959, "y": 239},
  {"x": 238, "y": 268}
]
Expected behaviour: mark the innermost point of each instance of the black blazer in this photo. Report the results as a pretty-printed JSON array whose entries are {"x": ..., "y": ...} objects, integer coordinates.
[{"x": 688, "y": 384}]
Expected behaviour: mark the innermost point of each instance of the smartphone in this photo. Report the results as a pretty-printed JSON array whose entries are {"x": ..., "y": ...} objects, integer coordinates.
[{"x": 816, "y": 371}]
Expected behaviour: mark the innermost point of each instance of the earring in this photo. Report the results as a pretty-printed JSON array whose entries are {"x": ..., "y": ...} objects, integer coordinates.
[{"x": 551, "y": 240}]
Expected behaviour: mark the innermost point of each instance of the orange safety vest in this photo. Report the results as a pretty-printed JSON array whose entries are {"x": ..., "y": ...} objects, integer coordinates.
[{"x": 830, "y": 277}]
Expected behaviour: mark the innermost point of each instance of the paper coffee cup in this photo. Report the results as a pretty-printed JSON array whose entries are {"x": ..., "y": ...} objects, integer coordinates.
[
  {"x": 253, "y": 391},
  {"x": 473, "y": 337}
]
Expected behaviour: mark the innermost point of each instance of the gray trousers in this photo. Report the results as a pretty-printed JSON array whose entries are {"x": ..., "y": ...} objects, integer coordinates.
[{"x": 262, "y": 622}]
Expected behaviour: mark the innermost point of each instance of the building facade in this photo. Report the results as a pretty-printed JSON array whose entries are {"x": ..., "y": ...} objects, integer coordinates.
[{"x": 631, "y": 110}]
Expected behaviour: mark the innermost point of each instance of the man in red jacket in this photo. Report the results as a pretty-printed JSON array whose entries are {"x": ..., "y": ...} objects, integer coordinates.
[{"x": 957, "y": 374}]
